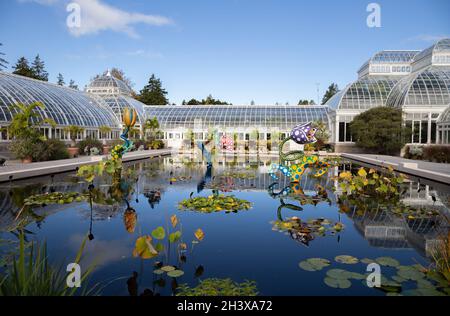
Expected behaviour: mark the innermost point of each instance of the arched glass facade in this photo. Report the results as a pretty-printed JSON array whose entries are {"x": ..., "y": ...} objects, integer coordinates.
[
  {"x": 64, "y": 105},
  {"x": 117, "y": 96},
  {"x": 363, "y": 94},
  {"x": 246, "y": 122},
  {"x": 443, "y": 124},
  {"x": 225, "y": 116}
]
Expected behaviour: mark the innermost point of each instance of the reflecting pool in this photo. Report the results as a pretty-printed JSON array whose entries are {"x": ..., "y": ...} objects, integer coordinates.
[{"x": 266, "y": 237}]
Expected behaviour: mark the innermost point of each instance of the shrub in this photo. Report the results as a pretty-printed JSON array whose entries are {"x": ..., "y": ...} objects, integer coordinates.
[
  {"x": 27, "y": 146},
  {"x": 380, "y": 130},
  {"x": 85, "y": 145},
  {"x": 54, "y": 150},
  {"x": 156, "y": 144},
  {"x": 437, "y": 153}
]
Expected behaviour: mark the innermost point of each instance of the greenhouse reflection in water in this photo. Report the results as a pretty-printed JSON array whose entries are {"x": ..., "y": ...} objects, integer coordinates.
[{"x": 286, "y": 224}]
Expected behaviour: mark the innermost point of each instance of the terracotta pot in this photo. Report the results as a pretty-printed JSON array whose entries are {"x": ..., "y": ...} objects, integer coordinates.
[
  {"x": 73, "y": 151},
  {"x": 106, "y": 149},
  {"x": 27, "y": 160}
]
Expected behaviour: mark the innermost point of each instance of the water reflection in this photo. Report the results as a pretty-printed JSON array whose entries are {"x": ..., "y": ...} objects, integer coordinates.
[{"x": 150, "y": 189}]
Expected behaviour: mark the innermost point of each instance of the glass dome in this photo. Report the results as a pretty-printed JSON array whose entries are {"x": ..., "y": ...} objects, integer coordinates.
[
  {"x": 444, "y": 118},
  {"x": 64, "y": 105},
  {"x": 107, "y": 84},
  {"x": 282, "y": 117},
  {"x": 426, "y": 88},
  {"x": 363, "y": 94}
]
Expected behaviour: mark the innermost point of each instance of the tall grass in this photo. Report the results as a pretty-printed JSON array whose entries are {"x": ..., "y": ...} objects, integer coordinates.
[
  {"x": 441, "y": 256},
  {"x": 30, "y": 274}
]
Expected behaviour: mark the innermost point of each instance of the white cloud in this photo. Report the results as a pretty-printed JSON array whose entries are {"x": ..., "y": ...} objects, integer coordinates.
[{"x": 97, "y": 16}]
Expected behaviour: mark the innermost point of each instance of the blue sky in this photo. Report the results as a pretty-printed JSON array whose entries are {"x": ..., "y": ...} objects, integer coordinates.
[{"x": 237, "y": 50}]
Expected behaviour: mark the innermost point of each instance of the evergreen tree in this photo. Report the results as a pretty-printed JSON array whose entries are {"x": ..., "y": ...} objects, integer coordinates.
[
  {"x": 332, "y": 90},
  {"x": 22, "y": 68},
  {"x": 153, "y": 93},
  {"x": 211, "y": 101},
  {"x": 3, "y": 61},
  {"x": 38, "y": 69},
  {"x": 380, "y": 130},
  {"x": 73, "y": 85},
  {"x": 60, "y": 81}
]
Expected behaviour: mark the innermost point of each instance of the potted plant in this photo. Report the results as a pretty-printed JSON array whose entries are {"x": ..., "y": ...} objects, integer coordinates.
[{"x": 73, "y": 131}]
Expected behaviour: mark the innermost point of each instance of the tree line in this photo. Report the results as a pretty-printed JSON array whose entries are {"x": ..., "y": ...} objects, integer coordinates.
[{"x": 152, "y": 93}]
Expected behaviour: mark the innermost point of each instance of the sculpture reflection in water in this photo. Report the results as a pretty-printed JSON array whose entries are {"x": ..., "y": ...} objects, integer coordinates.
[{"x": 299, "y": 230}]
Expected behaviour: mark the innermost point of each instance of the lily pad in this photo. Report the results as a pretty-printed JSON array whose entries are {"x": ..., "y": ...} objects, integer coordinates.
[
  {"x": 337, "y": 283},
  {"x": 387, "y": 261},
  {"x": 159, "y": 233},
  {"x": 367, "y": 261},
  {"x": 410, "y": 273},
  {"x": 314, "y": 264},
  {"x": 144, "y": 248},
  {"x": 339, "y": 274},
  {"x": 357, "y": 276},
  {"x": 158, "y": 271},
  {"x": 167, "y": 268},
  {"x": 345, "y": 259},
  {"x": 175, "y": 273}
]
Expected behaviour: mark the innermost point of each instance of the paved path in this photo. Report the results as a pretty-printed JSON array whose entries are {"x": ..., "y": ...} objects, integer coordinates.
[
  {"x": 430, "y": 170},
  {"x": 16, "y": 171}
]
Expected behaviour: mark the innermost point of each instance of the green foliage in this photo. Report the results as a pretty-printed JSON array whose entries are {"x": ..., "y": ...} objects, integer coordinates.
[
  {"x": 208, "y": 101},
  {"x": 380, "y": 130},
  {"x": 151, "y": 125},
  {"x": 306, "y": 102},
  {"x": 35, "y": 71},
  {"x": 219, "y": 287},
  {"x": 87, "y": 144},
  {"x": 60, "y": 80},
  {"x": 22, "y": 68},
  {"x": 153, "y": 93},
  {"x": 156, "y": 144},
  {"x": 371, "y": 183},
  {"x": 331, "y": 91},
  {"x": 73, "y": 130},
  {"x": 38, "y": 69},
  {"x": 214, "y": 203},
  {"x": 322, "y": 134},
  {"x": 72, "y": 85},
  {"x": 54, "y": 198},
  {"x": 31, "y": 274}
]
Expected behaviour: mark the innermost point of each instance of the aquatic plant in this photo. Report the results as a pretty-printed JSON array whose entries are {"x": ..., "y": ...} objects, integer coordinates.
[
  {"x": 371, "y": 183},
  {"x": 237, "y": 174},
  {"x": 54, "y": 198},
  {"x": 32, "y": 275},
  {"x": 429, "y": 282},
  {"x": 219, "y": 287},
  {"x": 214, "y": 203}
]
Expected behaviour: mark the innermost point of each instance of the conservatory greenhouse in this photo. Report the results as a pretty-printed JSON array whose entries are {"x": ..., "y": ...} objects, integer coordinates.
[{"x": 418, "y": 82}]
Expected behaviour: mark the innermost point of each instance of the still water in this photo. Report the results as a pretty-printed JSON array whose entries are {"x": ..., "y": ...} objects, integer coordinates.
[{"x": 241, "y": 245}]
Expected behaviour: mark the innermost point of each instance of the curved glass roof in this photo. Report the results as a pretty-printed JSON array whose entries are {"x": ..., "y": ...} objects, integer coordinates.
[
  {"x": 394, "y": 56},
  {"x": 107, "y": 84},
  {"x": 363, "y": 94},
  {"x": 118, "y": 103},
  {"x": 445, "y": 116},
  {"x": 64, "y": 105},
  {"x": 282, "y": 117},
  {"x": 438, "y": 53},
  {"x": 429, "y": 87}
]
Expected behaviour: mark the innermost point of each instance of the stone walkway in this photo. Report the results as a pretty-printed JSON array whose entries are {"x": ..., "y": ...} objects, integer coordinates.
[
  {"x": 15, "y": 170},
  {"x": 430, "y": 170}
]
